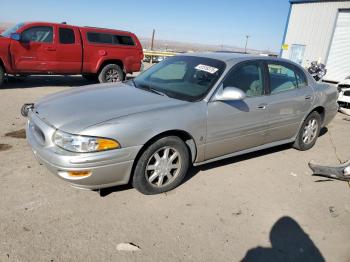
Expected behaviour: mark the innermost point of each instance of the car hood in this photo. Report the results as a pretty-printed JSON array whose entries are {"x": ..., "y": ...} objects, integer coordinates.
[{"x": 79, "y": 108}]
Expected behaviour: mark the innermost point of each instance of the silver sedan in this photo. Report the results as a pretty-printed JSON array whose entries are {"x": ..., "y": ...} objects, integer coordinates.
[{"x": 187, "y": 110}]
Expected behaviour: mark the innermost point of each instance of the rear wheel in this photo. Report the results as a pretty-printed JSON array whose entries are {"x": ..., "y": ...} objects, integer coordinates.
[
  {"x": 309, "y": 132},
  {"x": 162, "y": 166},
  {"x": 111, "y": 73},
  {"x": 2, "y": 75}
]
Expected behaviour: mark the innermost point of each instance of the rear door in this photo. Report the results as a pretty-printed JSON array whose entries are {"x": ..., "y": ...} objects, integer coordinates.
[
  {"x": 234, "y": 126},
  {"x": 68, "y": 50},
  {"x": 289, "y": 101},
  {"x": 35, "y": 53}
]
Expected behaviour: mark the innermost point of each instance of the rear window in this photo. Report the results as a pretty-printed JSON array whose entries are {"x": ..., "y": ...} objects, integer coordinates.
[
  {"x": 102, "y": 38},
  {"x": 66, "y": 36}
]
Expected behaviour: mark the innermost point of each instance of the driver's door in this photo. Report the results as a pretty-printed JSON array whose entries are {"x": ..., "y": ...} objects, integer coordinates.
[
  {"x": 234, "y": 126},
  {"x": 35, "y": 52}
]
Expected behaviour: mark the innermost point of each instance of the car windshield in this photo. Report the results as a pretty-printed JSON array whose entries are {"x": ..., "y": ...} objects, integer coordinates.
[
  {"x": 187, "y": 78},
  {"x": 13, "y": 29}
]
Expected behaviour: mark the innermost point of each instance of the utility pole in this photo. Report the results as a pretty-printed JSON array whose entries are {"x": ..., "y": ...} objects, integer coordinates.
[
  {"x": 246, "y": 43},
  {"x": 152, "y": 43}
]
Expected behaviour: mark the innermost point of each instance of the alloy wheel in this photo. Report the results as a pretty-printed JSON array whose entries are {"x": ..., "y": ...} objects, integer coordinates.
[
  {"x": 310, "y": 131},
  {"x": 112, "y": 75},
  {"x": 163, "y": 167}
]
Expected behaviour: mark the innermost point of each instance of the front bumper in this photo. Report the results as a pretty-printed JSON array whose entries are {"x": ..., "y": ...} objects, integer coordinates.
[{"x": 108, "y": 168}]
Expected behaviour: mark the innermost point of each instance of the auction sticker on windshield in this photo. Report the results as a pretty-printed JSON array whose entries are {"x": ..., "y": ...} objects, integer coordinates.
[{"x": 206, "y": 68}]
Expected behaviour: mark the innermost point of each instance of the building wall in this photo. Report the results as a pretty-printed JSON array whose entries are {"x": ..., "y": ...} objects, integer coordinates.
[{"x": 312, "y": 25}]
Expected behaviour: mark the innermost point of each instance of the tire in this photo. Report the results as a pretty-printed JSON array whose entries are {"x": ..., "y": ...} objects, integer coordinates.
[
  {"x": 311, "y": 125},
  {"x": 90, "y": 77},
  {"x": 111, "y": 73},
  {"x": 152, "y": 176},
  {"x": 2, "y": 75}
]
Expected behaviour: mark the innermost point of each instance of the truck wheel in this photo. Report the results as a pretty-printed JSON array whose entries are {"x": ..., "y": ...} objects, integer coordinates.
[
  {"x": 111, "y": 73},
  {"x": 2, "y": 75},
  {"x": 309, "y": 132},
  {"x": 162, "y": 166}
]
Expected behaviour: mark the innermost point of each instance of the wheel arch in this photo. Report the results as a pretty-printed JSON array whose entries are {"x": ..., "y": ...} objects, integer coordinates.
[
  {"x": 320, "y": 110},
  {"x": 183, "y": 135},
  {"x": 118, "y": 62}
]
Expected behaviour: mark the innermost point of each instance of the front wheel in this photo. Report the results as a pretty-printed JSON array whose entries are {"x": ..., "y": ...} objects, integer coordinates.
[
  {"x": 309, "y": 132},
  {"x": 111, "y": 73},
  {"x": 162, "y": 166}
]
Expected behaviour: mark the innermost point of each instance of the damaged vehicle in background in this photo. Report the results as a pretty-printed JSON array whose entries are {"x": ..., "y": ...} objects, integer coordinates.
[
  {"x": 344, "y": 96},
  {"x": 186, "y": 110}
]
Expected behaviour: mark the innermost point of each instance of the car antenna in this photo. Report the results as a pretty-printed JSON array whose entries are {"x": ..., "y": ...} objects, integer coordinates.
[{"x": 64, "y": 23}]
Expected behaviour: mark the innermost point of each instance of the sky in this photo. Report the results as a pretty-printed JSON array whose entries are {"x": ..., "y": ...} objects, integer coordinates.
[{"x": 220, "y": 22}]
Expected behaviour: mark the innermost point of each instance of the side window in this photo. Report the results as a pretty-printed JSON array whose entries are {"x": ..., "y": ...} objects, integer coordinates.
[
  {"x": 248, "y": 78},
  {"x": 66, "y": 36},
  {"x": 282, "y": 78},
  {"x": 43, "y": 34},
  {"x": 122, "y": 40},
  {"x": 99, "y": 38}
]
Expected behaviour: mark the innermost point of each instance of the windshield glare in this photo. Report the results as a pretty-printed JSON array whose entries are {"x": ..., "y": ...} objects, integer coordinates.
[
  {"x": 13, "y": 29},
  {"x": 182, "y": 77}
]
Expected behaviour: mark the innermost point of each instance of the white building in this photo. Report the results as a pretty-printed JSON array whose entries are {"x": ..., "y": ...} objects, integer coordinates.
[{"x": 319, "y": 31}]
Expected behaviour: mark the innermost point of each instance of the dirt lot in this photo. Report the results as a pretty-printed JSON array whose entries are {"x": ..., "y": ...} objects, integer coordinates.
[{"x": 263, "y": 206}]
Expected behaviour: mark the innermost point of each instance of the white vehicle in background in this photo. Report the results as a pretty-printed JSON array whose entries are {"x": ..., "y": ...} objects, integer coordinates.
[{"x": 344, "y": 96}]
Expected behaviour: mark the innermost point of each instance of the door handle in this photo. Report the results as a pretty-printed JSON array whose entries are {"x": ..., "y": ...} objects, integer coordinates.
[
  {"x": 308, "y": 97},
  {"x": 50, "y": 48},
  {"x": 262, "y": 106}
]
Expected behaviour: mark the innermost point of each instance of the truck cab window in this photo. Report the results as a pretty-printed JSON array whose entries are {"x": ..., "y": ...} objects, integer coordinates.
[
  {"x": 43, "y": 34},
  {"x": 66, "y": 36}
]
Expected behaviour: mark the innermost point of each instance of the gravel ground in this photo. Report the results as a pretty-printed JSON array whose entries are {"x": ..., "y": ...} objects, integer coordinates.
[{"x": 264, "y": 205}]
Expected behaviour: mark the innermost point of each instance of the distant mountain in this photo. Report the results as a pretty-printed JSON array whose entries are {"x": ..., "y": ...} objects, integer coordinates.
[
  {"x": 4, "y": 26},
  {"x": 170, "y": 45}
]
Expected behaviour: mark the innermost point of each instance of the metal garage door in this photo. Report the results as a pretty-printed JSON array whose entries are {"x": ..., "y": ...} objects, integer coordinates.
[{"x": 338, "y": 63}]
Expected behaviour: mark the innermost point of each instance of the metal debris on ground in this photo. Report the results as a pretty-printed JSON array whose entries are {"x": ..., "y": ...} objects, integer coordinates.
[
  {"x": 130, "y": 247},
  {"x": 339, "y": 172},
  {"x": 333, "y": 211},
  {"x": 293, "y": 174}
]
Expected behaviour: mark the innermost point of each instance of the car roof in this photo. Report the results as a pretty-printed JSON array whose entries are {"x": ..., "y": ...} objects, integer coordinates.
[
  {"x": 230, "y": 57},
  {"x": 81, "y": 27}
]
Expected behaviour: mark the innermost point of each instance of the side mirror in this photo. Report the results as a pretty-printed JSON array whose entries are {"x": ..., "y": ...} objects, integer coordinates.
[
  {"x": 16, "y": 36},
  {"x": 229, "y": 93}
]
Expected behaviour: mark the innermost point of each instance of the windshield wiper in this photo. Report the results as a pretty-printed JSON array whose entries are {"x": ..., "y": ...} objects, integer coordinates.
[{"x": 150, "y": 89}]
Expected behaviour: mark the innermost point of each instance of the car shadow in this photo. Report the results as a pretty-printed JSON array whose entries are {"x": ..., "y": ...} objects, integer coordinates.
[
  {"x": 194, "y": 170},
  {"x": 323, "y": 131},
  {"x": 48, "y": 81},
  {"x": 231, "y": 160},
  {"x": 228, "y": 161},
  {"x": 288, "y": 243}
]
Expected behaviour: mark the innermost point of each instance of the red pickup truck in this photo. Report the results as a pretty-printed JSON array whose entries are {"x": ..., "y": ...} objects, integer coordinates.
[{"x": 49, "y": 48}]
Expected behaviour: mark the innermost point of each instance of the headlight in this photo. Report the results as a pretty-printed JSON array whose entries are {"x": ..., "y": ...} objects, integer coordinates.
[{"x": 83, "y": 144}]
